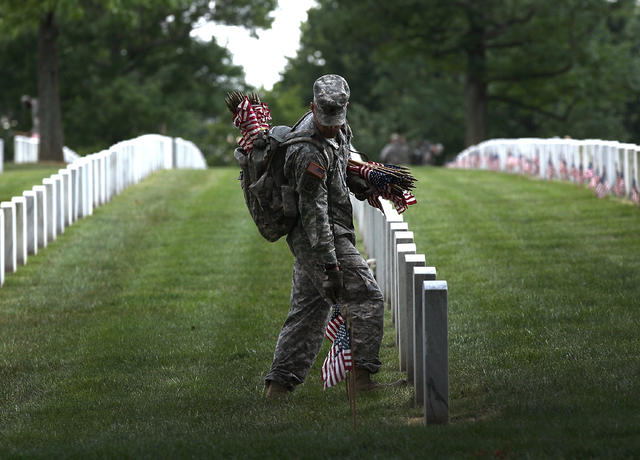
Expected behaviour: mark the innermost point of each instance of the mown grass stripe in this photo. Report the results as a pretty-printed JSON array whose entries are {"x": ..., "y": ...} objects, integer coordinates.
[{"x": 146, "y": 330}]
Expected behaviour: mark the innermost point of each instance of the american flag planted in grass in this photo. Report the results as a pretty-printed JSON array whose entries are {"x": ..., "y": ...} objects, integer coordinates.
[
  {"x": 338, "y": 361},
  {"x": 635, "y": 195},
  {"x": 391, "y": 182}
]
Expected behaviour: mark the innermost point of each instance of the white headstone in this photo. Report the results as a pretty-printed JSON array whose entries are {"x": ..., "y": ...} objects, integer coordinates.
[
  {"x": 1, "y": 248},
  {"x": 436, "y": 352},
  {"x": 51, "y": 205},
  {"x": 20, "y": 203},
  {"x": 400, "y": 301},
  {"x": 420, "y": 275},
  {"x": 59, "y": 209},
  {"x": 31, "y": 211},
  {"x": 9, "y": 210}
]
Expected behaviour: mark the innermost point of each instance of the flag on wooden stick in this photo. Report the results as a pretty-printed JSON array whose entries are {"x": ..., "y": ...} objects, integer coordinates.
[{"x": 338, "y": 361}]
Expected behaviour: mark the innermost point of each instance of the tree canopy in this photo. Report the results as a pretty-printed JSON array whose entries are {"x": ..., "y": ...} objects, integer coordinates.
[
  {"x": 449, "y": 71},
  {"x": 461, "y": 71},
  {"x": 124, "y": 68}
]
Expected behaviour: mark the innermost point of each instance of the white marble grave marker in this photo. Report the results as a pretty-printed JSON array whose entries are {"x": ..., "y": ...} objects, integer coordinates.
[
  {"x": 31, "y": 212},
  {"x": 42, "y": 215},
  {"x": 420, "y": 275},
  {"x": 9, "y": 210},
  {"x": 436, "y": 353},
  {"x": 20, "y": 203}
]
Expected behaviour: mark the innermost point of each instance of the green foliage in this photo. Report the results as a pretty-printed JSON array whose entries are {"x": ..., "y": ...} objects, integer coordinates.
[
  {"x": 546, "y": 68},
  {"x": 129, "y": 68}
]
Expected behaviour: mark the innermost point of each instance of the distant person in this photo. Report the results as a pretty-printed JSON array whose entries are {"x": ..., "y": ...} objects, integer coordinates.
[
  {"x": 31, "y": 103},
  {"x": 397, "y": 151},
  {"x": 420, "y": 153}
]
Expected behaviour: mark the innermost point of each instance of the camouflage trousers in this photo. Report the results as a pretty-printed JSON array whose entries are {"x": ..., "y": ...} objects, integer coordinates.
[{"x": 303, "y": 331}]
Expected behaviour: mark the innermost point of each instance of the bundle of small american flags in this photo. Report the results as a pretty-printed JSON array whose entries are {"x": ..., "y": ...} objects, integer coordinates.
[
  {"x": 392, "y": 182},
  {"x": 250, "y": 116},
  {"x": 338, "y": 361}
]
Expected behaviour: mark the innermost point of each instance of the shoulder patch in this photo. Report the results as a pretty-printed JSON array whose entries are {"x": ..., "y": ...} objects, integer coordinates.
[{"x": 317, "y": 170}]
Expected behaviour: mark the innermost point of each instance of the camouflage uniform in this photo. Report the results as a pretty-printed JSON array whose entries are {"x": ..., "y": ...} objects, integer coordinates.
[
  {"x": 396, "y": 152},
  {"x": 324, "y": 235}
]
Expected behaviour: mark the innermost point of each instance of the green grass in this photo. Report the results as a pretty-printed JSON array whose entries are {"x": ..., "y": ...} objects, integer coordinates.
[
  {"x": 17, "y": 178},
  {"x": 145, "y": 331}
]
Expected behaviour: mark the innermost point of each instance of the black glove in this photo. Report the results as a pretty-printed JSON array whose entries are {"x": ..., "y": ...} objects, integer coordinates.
[
  {"x": 333, "y": 284},
  {"x": 360, "y": 187}
]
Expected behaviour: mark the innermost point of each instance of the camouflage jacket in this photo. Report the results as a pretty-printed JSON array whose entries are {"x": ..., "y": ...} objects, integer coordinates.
[{"x": 319, "y": 178}]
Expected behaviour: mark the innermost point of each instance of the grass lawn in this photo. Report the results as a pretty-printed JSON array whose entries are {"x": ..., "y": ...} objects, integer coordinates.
[
  {"x": 145, "y": 330},
  {"x": 17, "y": 178}
]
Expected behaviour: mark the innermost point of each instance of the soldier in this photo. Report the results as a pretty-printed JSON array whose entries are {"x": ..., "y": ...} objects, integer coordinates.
[
  {"x": 327, "y": 266},
  {"x": 397, "y": 151}
]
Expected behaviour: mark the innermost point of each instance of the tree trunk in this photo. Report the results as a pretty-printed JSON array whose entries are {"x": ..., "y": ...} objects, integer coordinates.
[
  {"x": 476, "y": 87},
  {"x": 51, "y": 137}
]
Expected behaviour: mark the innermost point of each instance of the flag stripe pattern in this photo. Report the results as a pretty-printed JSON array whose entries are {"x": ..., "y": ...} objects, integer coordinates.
[
  {"x": 339, "y": 360},
  {"x": 391, "y": 182},
  {"x": 334, "y": 324},
  {"x": 251, "y": 119},
  {"x": 619, "y": 188},
  {"x": 602, "y": 187}
]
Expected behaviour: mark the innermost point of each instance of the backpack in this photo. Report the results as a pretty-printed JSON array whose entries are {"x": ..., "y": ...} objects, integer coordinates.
[{"x": 271, "y": 200}]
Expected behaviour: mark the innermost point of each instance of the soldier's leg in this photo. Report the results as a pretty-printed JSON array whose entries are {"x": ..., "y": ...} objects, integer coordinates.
[
  {"x": 364, "y": 298},
  {"x": 302, "y": 333}
]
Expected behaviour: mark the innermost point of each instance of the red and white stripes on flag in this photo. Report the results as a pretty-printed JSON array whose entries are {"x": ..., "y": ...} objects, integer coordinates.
[
  {"x": 251, "y": 120},
  {"x": 602, "y": 188},
  {"x": 335, "y": 366},
  {"x": 338, "y": 361},
  {"x": 635, "y": 195},
  {"x": 333, "y": 325},
  {"x": 619, "y": 188}
]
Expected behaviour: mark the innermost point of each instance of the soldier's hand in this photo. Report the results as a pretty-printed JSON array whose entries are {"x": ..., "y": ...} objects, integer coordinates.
[
  {"x": 333, "y": 284},
  {"x": 360, "y": 187}
]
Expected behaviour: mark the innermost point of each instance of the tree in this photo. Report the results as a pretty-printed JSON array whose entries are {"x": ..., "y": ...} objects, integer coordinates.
[
  {"x": 526, "y": 67},
  {"x": 55, "y": 18}
]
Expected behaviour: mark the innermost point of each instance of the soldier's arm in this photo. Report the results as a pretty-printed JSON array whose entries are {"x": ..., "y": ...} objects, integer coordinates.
[{"x": 311, "y": 176}]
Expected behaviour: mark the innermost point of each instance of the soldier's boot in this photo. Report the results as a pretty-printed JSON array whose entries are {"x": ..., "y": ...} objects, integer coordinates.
[
  {"x": 276, "y": 390},
  {"x": 364, "y": 382}
]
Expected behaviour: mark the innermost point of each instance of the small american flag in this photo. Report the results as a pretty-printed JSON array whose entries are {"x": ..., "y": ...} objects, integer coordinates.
[
  {"x": 602, "y": 188},
  {"x": 619, "y": 188},
  {"x": 338, "y": 361},
  {"x": 588, "y": 176},
  {"x": 580, "y": 175},
  {"x": 334, "y": 324},
  {"x": 635, "y": 195},
  {"x": 595, "y": 180},
  {"x": 551, "y": 172},
  {"x": 564, "y": 175}
]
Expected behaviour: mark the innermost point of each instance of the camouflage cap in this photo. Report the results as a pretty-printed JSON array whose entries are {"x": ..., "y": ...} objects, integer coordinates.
[{"x": 330, "y": 98}]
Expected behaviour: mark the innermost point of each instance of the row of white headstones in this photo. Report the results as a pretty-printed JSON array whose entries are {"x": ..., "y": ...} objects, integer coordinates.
[
  {"x": 36, "y": 218},
  {"x": 418, "y": 304},
  {"x": 545, "y": 158}
]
